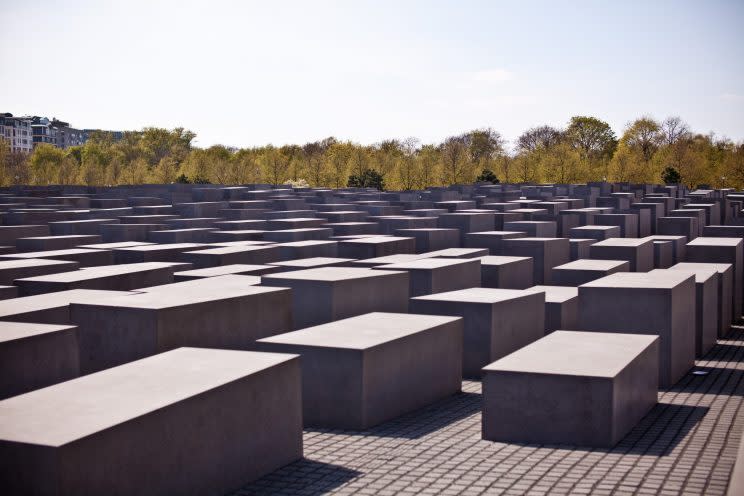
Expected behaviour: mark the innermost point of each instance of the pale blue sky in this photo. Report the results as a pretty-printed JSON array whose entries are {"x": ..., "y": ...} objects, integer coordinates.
[{"x": 257, "y": 72}]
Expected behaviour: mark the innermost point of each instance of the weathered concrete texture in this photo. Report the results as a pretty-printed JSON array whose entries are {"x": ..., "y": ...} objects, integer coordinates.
[
  {"x": 492, "y": 240},
  {"x": 361, "y": 371},
  {"x": 183, "y": 422},
  {"x": 231, "y": 255},
  {"x": 331, "y": 293},
  {"x": 662, "y": 304},
  {"x": 154, "y": 253},
  {"x": 84, "y": 257},
  {"x": 376, "y": 246},
  {"x": 431, "y": 239},
  {"x": 586, "y": 389},
  {"x": 121, "y": 329},
  {"x": 497, "y": 321},
  {"x": 237, "y": 269},
  {"x": 34, "y": 356}
]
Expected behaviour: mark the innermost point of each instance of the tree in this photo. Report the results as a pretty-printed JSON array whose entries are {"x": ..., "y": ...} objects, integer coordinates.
[
  {"x": 429, "y": 159},
  {"x": 407, "y": 164},
  {"x": 561, "y": 164},
  {"x": 44, "y": 163},
  {"x": 454, "y": 154},
  {"x": 670, "y": 175},
  {"x": 674, "y": 130},
  {"x": 542, "y": 137},
  {"x": 644, "y": 136},
  {"x": 594, "y": 137},
  {"x": 370, "y": 178},
  {"x": 487, "y": 176}
]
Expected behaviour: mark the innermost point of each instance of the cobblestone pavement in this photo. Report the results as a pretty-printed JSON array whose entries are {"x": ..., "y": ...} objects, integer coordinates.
[{"x": 686, "y": 445}]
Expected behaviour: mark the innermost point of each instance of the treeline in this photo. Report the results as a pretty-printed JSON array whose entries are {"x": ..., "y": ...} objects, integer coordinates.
[{"x": 587, "y": 149}]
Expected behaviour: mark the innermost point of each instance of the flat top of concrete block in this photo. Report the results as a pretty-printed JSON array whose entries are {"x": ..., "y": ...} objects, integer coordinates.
[
  {"x": 703, "y": 241},
  {"x": 12, "y": 331},
  {"x": 159, "y": 247},
  {"x": 720, "y": 267},
  {"x": 27, "y": 304},
  {"x": 375, "y": 240},
  {"x": 302, "y": 230},
  {"x": 429, "y": 263},
  {"x": 51, "y": 254},
  {"x": 114, "y": 246},
  {"x": 623, "y": 242},
  {"x": 71, "y": 410},
  {"x": 224, "y": 270},
  {"x": 65, "y": 236},
  {"x": 227, "y": 244},
  {"x": 533, "y": 240},
  {"x": 35, "y": 262},
  {"x": 476, "y": 295},
  {"x": 664, "y": 237},
  {"x": 697, "y": 205},
  {"x": 329, "y": 274},
  {"x": 595, "y": 228},
  {"x": 428, "y": 229},
  {"x": 458, "y": 252},
  {"x": 575, "y": 353},
  {"x": 308, "y": 242},
  {"x": 83, "y": 221},
  {"x": 186, "y": 230},
  {"x": 224, "y": 250},
  {"x": 25, "y": 226},
  {"x": 701, "y": 275},
  {"x": 591, "y": 264},
  {"x": 502, "y": 260},
  {"x": 361, "y": 332},
  {"x": 189, "y": 293},
  {"x": 99, "y": 271},
  {"x": 226, "y": 284},
  {"x": 312, "y": 262},
  {"x": 389, "y": 259},
  {"x": 555, "y": 294},
  {"x": 497, "y": 234},
  {"x": 663, "y": 280}
]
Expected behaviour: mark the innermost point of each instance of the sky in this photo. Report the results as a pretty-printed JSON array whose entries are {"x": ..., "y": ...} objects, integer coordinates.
[{"x": 249, "y": 73}]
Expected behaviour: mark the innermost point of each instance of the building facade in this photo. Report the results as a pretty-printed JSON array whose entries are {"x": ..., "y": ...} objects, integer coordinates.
[
  {"x": 17, "y": 132},
  {"x": 24, "y": 133}
]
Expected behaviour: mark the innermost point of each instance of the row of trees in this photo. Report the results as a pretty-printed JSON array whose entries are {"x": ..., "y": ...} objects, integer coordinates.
[{"x": 587, "y": 149}]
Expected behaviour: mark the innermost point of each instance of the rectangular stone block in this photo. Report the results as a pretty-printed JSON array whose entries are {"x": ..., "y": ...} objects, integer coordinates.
[
  {"x": 153, "y": 253},
  {"x": 237, "y": 269},
  {"x": 51, "y": 308},
  {"x": 9, "y": 234},
  {"x": 561, "y": 306},
  {"x": 575, "y": 388},
  {"x": 639, "y": 252},
  {"x": 640, "y": 303},
  {"x": 496, "y": 321},
  {"x": 491, "y": 240},
  {"x": 437, "y": 275},
  {"x": 725, "y": 290},
  {"x": 77, "y": 227},
  {"x": 361, "y": 371},
  {"x": 595, "y": 232},
  {"x": 10, "y": 270},
  {"x": 706, "y": 308},
  {"x": 231, "y": 255},
  {"x": 121, "y": 329},
  {"x": 507, "y": 272},
  {"x": 83, "y": 256},
  {"x": 185, "y": 235},
  {"x": 47, "y": 243},
  {"x": 679, "y": 226},
  {"x": 108, "y": 277},
  {"x": 183, "y": 422},
  {"x": 308, "y": 249},
  {"x": 467, "y": 223},
  {"x": 332, "y": 293},
  {"x": 579, "y": 248},
  {"x": 535, "y": 229},
  {"x": 722, "y": 250},
  {"x": 431, "y": 239},
  {"x": 34, "y": 356},
  {"x": 582, "y": 271},
  {"x": 376, "y": 246},
  {"x": 546, "y": 252}
]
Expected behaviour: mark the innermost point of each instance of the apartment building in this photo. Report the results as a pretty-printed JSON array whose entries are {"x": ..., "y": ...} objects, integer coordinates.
[{"x": 17, "y": 132}]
